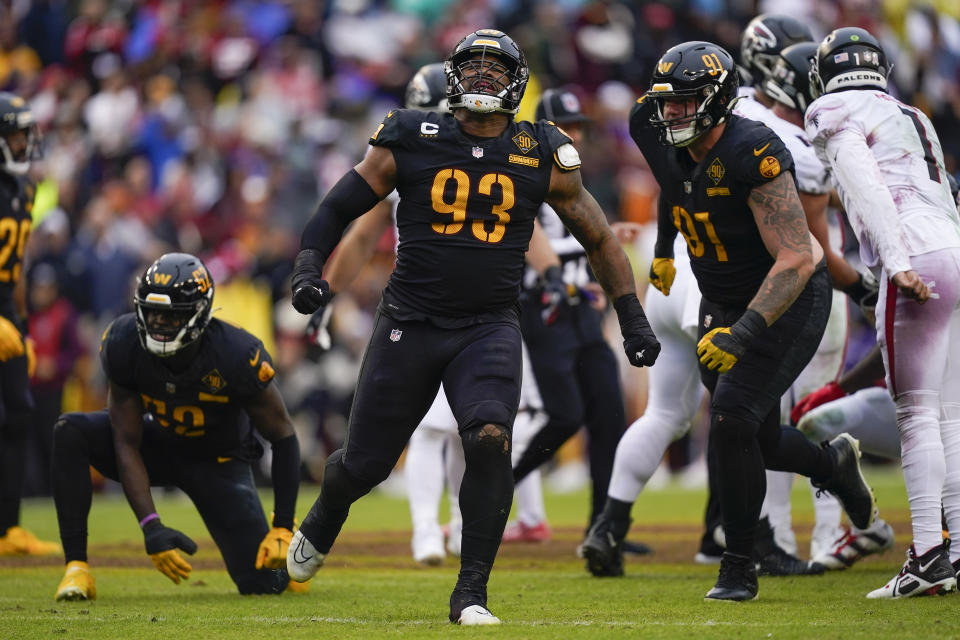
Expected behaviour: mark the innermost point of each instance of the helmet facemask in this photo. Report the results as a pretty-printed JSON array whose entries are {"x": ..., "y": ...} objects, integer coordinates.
[
  {"x": 166, "y": 328},
  {"x": 681, "y": 131},
  {"x": 16, "y": 156},
  {"x": 483, "y": 80}
]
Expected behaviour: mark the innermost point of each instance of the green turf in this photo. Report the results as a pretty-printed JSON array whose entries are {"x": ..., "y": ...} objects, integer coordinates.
[{"x": 382, "y": 593}]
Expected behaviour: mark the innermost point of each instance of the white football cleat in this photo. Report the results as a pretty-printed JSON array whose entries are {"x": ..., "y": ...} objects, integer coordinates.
[
  {"x": 475, "y": 615},
  {"x": 428, "y": 548},
  {"x": 855, "y": 544},
  {"x": 924, "y": 575},
  {"x": 303, "y": 560}
]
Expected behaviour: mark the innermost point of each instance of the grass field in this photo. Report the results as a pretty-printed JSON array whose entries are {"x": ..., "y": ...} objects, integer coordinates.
[{"x": 371, "y": 587}]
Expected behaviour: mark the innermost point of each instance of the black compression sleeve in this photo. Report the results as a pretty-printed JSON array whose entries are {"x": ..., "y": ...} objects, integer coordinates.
[
  {"x": 285, "y": 473},
  {"x": 666, "y": 232},
  {"x": 349, "y": 199}
]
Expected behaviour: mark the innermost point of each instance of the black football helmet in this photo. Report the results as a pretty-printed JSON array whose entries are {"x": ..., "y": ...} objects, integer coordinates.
[
  {"x": 15, "y": 117},
  {"x": 764, "y": 38},
  {"x": 427, "y": 90},
  {"x": 789, "y": 82},
  {"x": 486, "y": 73},
  {"x": 701, "y": 71},
  {"x": 174, "y": 301},
  {"x": 849, "y": 58}
]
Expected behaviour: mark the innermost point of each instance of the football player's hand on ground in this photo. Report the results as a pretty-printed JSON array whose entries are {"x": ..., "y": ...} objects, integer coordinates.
[
  {"x": 11, "y": 342},
  {"x": 162, "y": 543},
  {"x": 827, "y": 393},
  {"x": 272, "y": 553}
]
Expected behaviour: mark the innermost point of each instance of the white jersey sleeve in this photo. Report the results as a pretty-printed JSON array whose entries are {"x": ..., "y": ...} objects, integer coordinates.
[{"x": 888, "y": 167}]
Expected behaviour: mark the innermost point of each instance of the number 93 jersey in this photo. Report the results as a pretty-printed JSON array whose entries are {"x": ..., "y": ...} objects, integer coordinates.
[
  {"x": 466, "y": 213},
  {"x": 707, "y": 201},
  {"x": 199, "y": 410},
  {"x": 16, "y": 205}
]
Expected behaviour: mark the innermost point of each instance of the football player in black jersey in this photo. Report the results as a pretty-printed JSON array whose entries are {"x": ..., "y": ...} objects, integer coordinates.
[
  {"x": 19, "y": 145},
  {"x": 727, "y": 185},
  {"x": 184, "y": 390},
  {"x": 470, "y": 185}
]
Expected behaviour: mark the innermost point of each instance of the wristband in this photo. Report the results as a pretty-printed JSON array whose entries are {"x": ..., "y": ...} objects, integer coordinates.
[{"x": 148, "y": 519}]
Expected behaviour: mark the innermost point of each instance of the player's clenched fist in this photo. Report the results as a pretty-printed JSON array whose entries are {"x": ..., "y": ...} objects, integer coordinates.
[{"x": 639, "y": 341}]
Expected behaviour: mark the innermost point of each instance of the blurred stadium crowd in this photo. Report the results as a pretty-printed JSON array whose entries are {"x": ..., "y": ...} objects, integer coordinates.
[{"x": 213, "y": 128}]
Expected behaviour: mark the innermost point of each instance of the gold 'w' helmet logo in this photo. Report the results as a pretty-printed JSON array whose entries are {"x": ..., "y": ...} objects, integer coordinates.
[
  {"x": 162, "y": 278},
  {"x": 664, "y": 67}
]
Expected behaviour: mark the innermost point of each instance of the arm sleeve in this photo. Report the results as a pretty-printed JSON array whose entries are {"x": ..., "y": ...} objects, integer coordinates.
[
  {"x": 871, "y": 209},
  {"x": 285, "y": 473},
  {"x": 666, "y": 230}
]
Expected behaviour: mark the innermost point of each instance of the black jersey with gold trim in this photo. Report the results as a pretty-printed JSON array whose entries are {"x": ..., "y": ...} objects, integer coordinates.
[
  {"x": 16, "y": 207},
  {"x": 466, "y": 213},
  {"x": 201, "y": 408},
  {"x": 707, "y": 201}
]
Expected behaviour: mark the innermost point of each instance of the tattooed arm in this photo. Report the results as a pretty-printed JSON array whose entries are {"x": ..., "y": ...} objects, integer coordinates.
[
  {"x": 583, "y": 217},
  {"x": 780, "y": 218}
]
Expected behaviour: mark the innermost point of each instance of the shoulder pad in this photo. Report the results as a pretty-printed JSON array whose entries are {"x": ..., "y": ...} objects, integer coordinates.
[
  {"x": 825, "y": 116},
  {"x": 400, "y": 126},
  {"x": 250, "y": 367},
  {"x": 119, "y": 346},
  {"x": 641, "y": 130},
  {"x": 758, "y": 153}
]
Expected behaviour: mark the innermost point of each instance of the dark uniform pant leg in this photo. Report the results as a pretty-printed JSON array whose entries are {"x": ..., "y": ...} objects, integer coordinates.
[
  {"x": 482, "y": 383},
  {"x": 553, "y": 359},
  {"x": 82, "y": 440},
  {"x": 745, "y": 435},
  {"x": 16, "y": 413},
  {"x": 226, "y": 497},
  {"x": 605, "y": 421},
  {"x": 399, "y": 379}
]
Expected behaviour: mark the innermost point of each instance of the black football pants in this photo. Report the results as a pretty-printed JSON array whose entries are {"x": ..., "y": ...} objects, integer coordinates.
[
  {"x": 16, "y": 417},
  {"x": 223, "y": 492}
]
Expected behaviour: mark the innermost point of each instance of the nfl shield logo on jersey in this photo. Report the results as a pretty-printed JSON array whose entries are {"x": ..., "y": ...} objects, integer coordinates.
[
  {"x": 478, "y": 152},
  {"x": 395, "y": 335}
]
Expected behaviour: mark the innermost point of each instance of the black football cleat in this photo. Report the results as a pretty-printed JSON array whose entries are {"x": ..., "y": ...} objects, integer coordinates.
[
  {"x": 847, "y": 483},
  {"x": 737, "y": 581},
  {"x": 603, "y": 548},
  {"x": 780, "y": 563}
]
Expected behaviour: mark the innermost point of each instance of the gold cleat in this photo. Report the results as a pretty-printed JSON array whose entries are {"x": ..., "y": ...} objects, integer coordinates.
[
  {"x": 298, "y": 587},
  {"x": 77, "y": 583},
  {"x": 19, "y": 542}
]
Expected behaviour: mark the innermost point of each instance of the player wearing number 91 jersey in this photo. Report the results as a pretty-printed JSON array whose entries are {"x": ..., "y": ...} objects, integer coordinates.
[
  {"x": 470, "y": 185},
  {"x": 727, "y": 185}
]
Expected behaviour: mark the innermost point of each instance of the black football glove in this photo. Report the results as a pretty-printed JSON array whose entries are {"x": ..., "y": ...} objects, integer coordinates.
[
  {"x": 554, "y": 292},
  {"x": 162, "y": 543},
  {"x": 639, "y": 342},
  {"x": 865, "y": 292},
  {"x": 310, "y": 290}
]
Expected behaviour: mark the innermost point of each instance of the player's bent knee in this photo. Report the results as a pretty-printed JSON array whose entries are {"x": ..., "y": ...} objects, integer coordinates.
[
  {"x": 66, "y": 432},
  {"x": 731, "y": 428}
]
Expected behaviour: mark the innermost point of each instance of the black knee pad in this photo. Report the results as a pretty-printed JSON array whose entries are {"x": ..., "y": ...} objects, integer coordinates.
[
  {"x": 342, "y": 486},
  {"x": 66, "y": 435},
  {"x": 487, "y": 440}
]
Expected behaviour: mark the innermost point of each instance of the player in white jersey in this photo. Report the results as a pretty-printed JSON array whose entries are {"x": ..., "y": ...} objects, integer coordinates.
[
  {"x": 435, "y": 451},
  {"x": 888, "y": 165},
  {"x": 788, "y": 86}
]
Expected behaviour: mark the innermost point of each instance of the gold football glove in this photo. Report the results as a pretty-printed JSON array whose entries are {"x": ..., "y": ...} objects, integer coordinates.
[
  {"x": 171, "y": 564},
  {"x": 11, "y": 342},
  {"x": 713, "y": 352},
  {"x": 272, "y": 553},
  {"x": 662, "y": 273}
]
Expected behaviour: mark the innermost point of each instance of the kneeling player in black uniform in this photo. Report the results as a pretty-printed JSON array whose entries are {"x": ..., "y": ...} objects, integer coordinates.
[
  {"x": 184, "y": 388},
  {"x": 470, "y": 185},
  {"x": 727, "y": 185}
]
